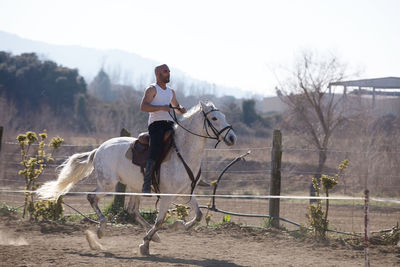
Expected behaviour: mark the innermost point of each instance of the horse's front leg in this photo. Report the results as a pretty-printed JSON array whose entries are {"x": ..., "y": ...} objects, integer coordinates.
[
  {"x": 133, "y": 209},
  {"x": 164, "y": 203},
  {"x": 197, "y": 217}
]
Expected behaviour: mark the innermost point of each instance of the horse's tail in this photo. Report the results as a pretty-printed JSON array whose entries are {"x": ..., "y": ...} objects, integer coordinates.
[{"x": 73, "y": 169}]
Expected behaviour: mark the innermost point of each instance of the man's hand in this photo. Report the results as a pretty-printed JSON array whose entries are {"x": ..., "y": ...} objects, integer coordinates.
[
  {"x": 182, "y": 110},
  {"x": 175, "y": 103}
]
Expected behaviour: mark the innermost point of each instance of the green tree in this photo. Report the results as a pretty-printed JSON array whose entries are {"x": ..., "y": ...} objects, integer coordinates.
[
  {"x": 101, "y": 86},
  {"x": 30, "y": 82},
  {"x": 81, "y": 114},
  {"x": 249, "y": 114},
  {"x": 232, "y": 111}
]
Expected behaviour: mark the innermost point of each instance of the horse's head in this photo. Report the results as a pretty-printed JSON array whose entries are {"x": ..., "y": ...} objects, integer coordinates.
[{"x": 215, "y": 124}]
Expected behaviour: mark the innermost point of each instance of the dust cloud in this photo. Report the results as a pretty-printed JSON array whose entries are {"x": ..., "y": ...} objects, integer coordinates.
[{"x": 10, "y": 240}]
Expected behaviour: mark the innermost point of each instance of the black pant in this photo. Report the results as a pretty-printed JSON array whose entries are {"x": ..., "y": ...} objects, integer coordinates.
[{"x": 156, "y": 131}]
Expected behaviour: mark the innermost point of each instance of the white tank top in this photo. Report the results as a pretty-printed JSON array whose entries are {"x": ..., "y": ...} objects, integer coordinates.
[{"x": 163, "y": 97}]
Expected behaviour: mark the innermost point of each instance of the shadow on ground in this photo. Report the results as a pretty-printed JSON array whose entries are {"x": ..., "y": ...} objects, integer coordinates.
[{"x": 160, "y": 259}]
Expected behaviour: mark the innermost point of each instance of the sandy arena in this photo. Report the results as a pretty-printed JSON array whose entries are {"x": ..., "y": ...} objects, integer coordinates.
[{"x": 53, "y": 244}]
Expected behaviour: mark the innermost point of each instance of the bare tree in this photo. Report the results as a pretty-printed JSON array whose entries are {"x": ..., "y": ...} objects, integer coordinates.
[
  {"x": 376, "y": 164},
  {"x": 314, "y": 111}
]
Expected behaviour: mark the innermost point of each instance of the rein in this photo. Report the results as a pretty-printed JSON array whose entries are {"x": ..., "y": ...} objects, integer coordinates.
[
  {"x": 187, "y": 168},
  {"x": 206, "y": 122}
]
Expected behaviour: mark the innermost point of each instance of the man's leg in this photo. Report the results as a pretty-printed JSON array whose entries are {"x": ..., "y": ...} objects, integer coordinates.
[
  {"x": 150, "y": 165},
  {"x": 156, "y": 133}
]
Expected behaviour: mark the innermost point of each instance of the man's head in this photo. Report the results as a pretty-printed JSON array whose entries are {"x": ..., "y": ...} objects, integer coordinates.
[{"x": 162, "y": 73}]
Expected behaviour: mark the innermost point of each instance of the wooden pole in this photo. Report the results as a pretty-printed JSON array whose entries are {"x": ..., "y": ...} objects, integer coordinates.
[
  {"x": 373, "y": 97},
  {"x": 366, "y": 228},
  {"x": 275, "y": 187},
  {"x": 1, "y": 162},
  {"x": 119, "y": 200},
  {"x": 1, "y": 135}
]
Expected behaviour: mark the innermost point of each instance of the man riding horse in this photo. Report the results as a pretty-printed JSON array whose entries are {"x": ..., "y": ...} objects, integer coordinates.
[{"x": 157, "y": 99}]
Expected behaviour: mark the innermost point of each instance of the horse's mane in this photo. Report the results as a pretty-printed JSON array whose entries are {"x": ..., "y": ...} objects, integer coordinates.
[
  {"x": 195, "y": 109},
  {"x": 191, "y": 112}
]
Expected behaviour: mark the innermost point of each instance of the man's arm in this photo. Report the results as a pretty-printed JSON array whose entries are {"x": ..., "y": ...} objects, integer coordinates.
[
  {"x": 146, "y": 105},
  {"x": 175, "y": 104}
]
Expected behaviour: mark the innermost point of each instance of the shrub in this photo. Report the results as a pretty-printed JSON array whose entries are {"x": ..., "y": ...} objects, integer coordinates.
[
  {"x": 117, "y": 214},
  {"x": 317, "y": 218},
  {"x": 227, "y": 218},
  {"x": 33, "y": 165},
  {"x": 180, "y": 211},
  {"x": 392, "y": 237},
  {"x": 48, "y": 210},
  {"x": 5, "y": 209}
]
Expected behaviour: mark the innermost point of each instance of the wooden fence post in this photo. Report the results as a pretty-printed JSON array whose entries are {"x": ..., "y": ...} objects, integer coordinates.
[
  {"x": 119, "y": 200},
  {"x": 1, "y": 136},
  {"x": 1, "y": 162},
  {"x": 275, "y": 185},
  {"x": 366, "y": 228}
]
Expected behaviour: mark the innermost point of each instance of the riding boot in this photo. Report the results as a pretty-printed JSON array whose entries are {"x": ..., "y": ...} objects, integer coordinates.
[{"x": 150, "y": 165}]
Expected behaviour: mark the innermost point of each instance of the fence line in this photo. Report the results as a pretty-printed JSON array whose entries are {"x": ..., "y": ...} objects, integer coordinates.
[
  {"x": 284, "y": 171},
  {"x": 82, "y": 182},
  {"x": 219, "y": 196},
  {"x": 65, "y": 145},
  {"x": 287, "y": 149},
  {"x": 15, "y": 154},
  {"x": 227, "y": 179}
]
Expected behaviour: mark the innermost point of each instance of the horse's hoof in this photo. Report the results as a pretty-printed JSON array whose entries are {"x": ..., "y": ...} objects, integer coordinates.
[
  {"x": 179, "y": 224},
  {"x": 100, "y": 233},
  {"x": 91, "y": 238},
  {"x": 156, "y": 238},
  {"x": 144, "y": 249},
  {"x": 102, "y": 226}
]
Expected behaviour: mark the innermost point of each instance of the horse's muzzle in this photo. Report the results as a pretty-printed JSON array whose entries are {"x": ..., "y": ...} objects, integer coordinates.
[{"x": 230, "y": 139}]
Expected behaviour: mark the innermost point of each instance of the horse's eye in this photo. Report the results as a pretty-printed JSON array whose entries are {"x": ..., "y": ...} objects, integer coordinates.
[{"x": 214, "y": 118}]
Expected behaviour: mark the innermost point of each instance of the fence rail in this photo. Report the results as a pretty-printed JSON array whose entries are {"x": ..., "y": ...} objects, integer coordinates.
[
  {"x": 284, "y": 149},
  {"x": 251, "y": 177}
]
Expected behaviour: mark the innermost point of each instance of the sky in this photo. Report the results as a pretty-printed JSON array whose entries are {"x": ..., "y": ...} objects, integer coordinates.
[{"x": 231, "y": 43}]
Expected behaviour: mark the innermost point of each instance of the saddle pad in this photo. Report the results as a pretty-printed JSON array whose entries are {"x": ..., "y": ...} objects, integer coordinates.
[
  {"x": 140, "y": 153},
  {"x": 137, "y": 153},
  {"x": 128, "y": 153}
]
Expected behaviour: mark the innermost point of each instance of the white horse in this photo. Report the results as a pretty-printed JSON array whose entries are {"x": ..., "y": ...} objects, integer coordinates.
[{"x": 111, "y": 166}]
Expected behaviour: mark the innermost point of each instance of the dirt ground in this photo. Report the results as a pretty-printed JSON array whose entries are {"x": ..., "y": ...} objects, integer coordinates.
[{"x": 54, "y": 244}]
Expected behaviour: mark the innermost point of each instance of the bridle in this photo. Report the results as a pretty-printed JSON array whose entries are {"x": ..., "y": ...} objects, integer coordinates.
[
  {"x": 216, "y": 136},
  {"x": 206, "y": 123}
]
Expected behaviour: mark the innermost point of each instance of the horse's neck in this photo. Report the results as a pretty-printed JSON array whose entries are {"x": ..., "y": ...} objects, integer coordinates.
[{"x": 191, "y": 146}]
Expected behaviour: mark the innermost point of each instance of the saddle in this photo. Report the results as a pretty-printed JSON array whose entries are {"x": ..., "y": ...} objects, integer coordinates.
[{"x": 138, "y": 153}]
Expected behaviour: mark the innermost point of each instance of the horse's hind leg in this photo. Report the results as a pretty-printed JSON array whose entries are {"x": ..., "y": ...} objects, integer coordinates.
[
  {"x": 94, "y": 201},
  {"x": 133, "y": 209},
  {"x": 103, "y": 185},
  {"x": 164, "y": 203}
]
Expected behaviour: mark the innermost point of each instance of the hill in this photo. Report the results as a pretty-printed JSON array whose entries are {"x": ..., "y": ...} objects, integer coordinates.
[{"x": 124, "y": 67}]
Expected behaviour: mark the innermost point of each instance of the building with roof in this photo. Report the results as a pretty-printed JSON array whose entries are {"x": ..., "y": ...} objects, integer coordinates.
[
  {"x": 389, "y": 86},
  {"x": 384, "y": 93}
]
